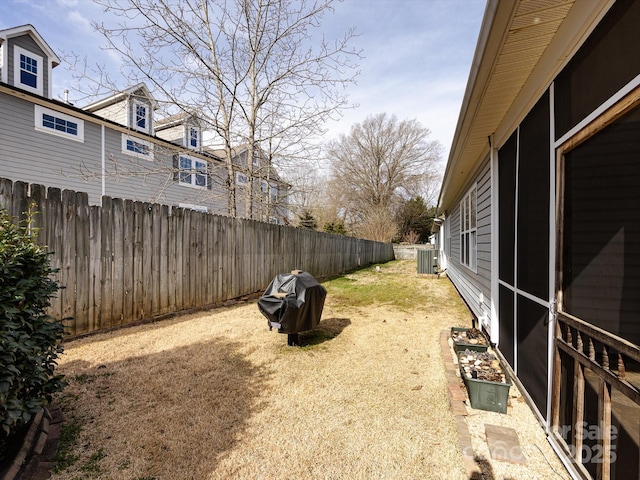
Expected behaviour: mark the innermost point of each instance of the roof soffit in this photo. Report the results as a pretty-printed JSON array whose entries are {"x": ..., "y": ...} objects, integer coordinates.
[{"x": 517, "y": 41}]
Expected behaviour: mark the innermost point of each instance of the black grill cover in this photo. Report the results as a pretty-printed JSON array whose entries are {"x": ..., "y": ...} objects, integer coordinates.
[{"x": 297, "y": 311}]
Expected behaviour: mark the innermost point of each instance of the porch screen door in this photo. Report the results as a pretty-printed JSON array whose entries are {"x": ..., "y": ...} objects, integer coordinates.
[{"x": 596, "y": 407}]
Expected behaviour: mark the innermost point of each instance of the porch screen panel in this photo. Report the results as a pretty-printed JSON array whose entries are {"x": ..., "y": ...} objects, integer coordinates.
[
  {"x": 601, "y": 67},
  {"x": 506, "y": 302},
  {"x": 532, "y": 350},
  {"x": 533, "y": 201},
  {"x": 601, "y": 245},
  {"x": 506, "y": 208}
]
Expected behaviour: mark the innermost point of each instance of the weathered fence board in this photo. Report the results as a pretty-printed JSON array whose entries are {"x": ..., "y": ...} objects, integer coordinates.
[
  {"x": 95, "y": 269},
  {"x": 127, "y": 261},
  {"x": 128, "y": 243}
]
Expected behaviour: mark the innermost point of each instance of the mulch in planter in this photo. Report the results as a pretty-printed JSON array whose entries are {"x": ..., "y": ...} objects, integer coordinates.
[
  {"x": 481, "y": 366},
  {"x": 468, "y": 338}
]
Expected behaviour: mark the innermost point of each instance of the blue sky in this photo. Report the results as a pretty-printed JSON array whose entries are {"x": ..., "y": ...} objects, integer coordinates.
[{"x": 417, "y": 53}]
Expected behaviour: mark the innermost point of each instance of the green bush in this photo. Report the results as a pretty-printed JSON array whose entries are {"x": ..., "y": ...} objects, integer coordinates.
[{"x": 29, "y": 338}]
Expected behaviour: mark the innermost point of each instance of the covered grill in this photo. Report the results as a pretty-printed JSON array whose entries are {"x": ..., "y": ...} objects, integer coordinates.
[{"x": 293, "y": 303}]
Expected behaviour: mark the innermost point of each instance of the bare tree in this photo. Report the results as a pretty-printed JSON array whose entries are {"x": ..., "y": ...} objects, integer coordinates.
[
  {"x": 377, "y": 225},
  {"x": 379, "y": 163},
  {"x": 251, "y": 69}
]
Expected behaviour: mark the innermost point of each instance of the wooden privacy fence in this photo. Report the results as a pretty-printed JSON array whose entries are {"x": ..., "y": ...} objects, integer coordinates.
[{"x": 127, "y": 261}]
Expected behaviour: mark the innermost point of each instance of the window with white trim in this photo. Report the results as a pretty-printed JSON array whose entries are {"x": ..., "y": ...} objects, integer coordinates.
[
  {"x": 468, "y": 229},
  {"x": 56, "y": 123},
  {"x": 271, "y": 190},
  {"x": 137, "y": 147},
  {"x": 199, "y": 208},
  {"x": 241, "y": 178},
  {"x": 193, "y": 172},
  {"x": 194, "y": 137},
  {"x": 28, "y": 70},
  {"x": 141, "y": 116}
]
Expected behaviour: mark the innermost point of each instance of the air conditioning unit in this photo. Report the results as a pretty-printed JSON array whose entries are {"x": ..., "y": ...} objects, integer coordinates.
[{"x": 427, "y": 261}]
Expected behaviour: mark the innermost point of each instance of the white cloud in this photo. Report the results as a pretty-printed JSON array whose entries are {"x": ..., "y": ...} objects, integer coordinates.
[{"x": 78, "y": 20}]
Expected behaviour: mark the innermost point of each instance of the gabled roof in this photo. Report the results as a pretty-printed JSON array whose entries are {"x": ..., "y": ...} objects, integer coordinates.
[
  {"x": 30, "y": 30},
  {"x": 139, "y": 90},
  {"x": 178, "y": 119},
  {"x": 522, "y": 46},
  {"x": 239, "y": 150}
]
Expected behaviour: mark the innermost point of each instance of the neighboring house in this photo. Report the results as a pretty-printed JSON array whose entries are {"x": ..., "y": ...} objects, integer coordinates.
[
  {"x": 184, "y": 129},
  {"x": 541, "y": 206},
  {"x": 113, "y": 147},
  {"x": 270, "y": 192}
]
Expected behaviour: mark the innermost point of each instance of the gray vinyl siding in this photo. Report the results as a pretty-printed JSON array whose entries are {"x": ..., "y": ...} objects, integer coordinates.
[
  {"x": 26, "y": 42},
  {"x": 135, "y": 178},
  {"x": 116, "y": 113},
  {"x": 32, "y": 156},
  {"x": 470, "y": 284},
  {"x": 173, "y": 134}
]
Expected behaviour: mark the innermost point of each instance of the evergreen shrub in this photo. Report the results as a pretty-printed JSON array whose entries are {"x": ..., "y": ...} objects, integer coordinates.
[{"x": 30, "y": 340}]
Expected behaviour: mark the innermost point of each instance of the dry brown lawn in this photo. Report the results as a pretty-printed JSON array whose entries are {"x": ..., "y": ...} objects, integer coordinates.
[{"x": 216, "y": 395}]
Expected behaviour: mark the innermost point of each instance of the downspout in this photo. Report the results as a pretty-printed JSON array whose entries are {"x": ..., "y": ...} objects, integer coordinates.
[
  {"x": 495, "y": 241},
  {"x": 103, "y": 162}
]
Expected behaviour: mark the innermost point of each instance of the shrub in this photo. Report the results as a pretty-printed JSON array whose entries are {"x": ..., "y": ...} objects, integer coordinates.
[{"x": 29, "y": 338}]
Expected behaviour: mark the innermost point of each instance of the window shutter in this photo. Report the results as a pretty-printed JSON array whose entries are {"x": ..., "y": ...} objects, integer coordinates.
[{"x": 209, "y": 177}]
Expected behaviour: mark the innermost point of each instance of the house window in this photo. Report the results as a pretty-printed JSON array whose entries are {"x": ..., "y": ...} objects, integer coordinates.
[
  {"x": 193, "y": 172},
  {"x": 57, "y": 123},
  {"x": 191, "y": 206},
  {"x": 141, "y": 112},
  {"x": 194, "y": 140},
  {"x": 241, "y": 178},
  {"x": 28, "y": 70},
  {"x": 137, "y": 147},
  {"x": 468, "y": 223},
  {"x": 271, "y": 190},
  {"x": 273, "y": 220}
]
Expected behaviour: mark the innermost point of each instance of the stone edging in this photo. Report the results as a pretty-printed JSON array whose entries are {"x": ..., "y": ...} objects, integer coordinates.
[
  {"x": 33, "y": 461},
  {"x": 457, "y": 399}
]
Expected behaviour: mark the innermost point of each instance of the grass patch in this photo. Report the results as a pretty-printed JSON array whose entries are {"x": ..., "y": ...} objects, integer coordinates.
[
  {"x": 208, "y": 395},
  {"x": 68, "y": 435},
  {"x": 85, "y": 378},
  {"x": 388, "y": 285},
  {"x": 92, "y": 464}
]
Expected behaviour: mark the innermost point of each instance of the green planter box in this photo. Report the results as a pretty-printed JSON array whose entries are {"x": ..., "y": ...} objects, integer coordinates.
[
  {"x": 489, "y": 396},
  {"x": 484, "y": 394},
  {"x": 461, "y": 346}
]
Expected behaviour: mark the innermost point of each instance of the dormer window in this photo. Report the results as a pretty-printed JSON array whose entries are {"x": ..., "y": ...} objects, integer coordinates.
[
  {"x": 194, "y": 138},
  {"x": 28, "y": 70},
  {"x": 141, "y": 112}
]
